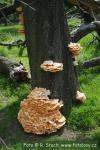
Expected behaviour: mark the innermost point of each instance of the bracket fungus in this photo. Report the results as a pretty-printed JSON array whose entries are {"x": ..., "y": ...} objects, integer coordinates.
[
  {"x": 75, "y": 49},
  {"x": 40, "y": 115},
  {"x": 51, "y": 66},
  {"x": 80, "y": 96}
]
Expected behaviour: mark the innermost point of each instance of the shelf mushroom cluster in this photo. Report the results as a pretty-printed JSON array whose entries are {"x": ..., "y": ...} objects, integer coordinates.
[
  {"x": 80, "y": 96},
  {"x": 21, "y": 19},
  {"x": 40, "y": 115},
  {"x": 75, "y": 49},
  {"x": 51, "y": 66}
]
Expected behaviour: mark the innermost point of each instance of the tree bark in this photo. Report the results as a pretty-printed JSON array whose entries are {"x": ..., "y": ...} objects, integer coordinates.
[
  {"x": 91, "y": 63},
  {"x": 47, "y": 38}
]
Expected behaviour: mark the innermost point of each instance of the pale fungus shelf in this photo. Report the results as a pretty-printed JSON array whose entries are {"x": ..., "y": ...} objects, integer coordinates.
[
  {"x": 40, "y": 115},
  {"x": 80, "y": 96},
  {"x": 75, "y": 49},
  {"x": 51, "y": 66}
]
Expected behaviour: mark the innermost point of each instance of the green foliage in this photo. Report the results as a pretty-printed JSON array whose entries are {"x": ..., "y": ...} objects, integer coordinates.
[
  {"x": 10, "y": 34},
  {"x": 90, "y": 48},
  {"x": 10, "y": 92},
  {"x": 83, "y": 118},
  {"x": 3, "y": 52},
  {"x": 6, "y": 2},
  {"x": 73, "y": 23}
]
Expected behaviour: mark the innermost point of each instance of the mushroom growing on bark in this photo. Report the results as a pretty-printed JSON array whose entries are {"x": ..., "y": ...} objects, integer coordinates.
[
  {"x": 51, "y": 66},
  {"x": 75, "y": 49},
  {"x": 80, "y": 96},
  {"x": 40, "y": 115}
]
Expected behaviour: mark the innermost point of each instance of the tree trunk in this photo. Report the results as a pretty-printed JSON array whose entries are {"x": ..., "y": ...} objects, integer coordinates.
[{"x": 47, "y": 38}]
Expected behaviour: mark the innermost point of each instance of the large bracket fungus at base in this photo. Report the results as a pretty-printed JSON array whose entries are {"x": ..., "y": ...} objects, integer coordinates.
[{"x": 39, "y": 114}]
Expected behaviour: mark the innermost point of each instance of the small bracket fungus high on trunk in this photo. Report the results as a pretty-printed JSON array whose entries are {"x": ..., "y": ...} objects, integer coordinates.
[
  {"x": 21, "y": 19},
  {"x": 40, "y": 115},
  {"x": 80, "y": 96},
  {"x": 75, "y": 49},
  {"x": 51, "y": 66}
]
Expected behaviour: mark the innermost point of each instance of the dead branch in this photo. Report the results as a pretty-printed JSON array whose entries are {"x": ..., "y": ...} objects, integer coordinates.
[
  {"x": 84, "y": 29},
  {"x": 13, "y": 70},
  {"x": 91, "y": 63},
  {"x": 15, "y": 43},
  {"x": 87, "y": 5}
]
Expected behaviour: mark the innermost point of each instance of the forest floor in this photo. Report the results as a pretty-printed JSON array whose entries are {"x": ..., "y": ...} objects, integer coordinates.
[{"x": 83, "y": 122}]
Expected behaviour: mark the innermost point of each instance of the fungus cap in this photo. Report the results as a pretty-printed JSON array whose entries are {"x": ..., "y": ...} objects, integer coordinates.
[
  {"x": 75, "y": 49},
  {"x": 40, "y": 115},
  {"x": 51, "y": 66},
  {"x": 80, "y": 96}
]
